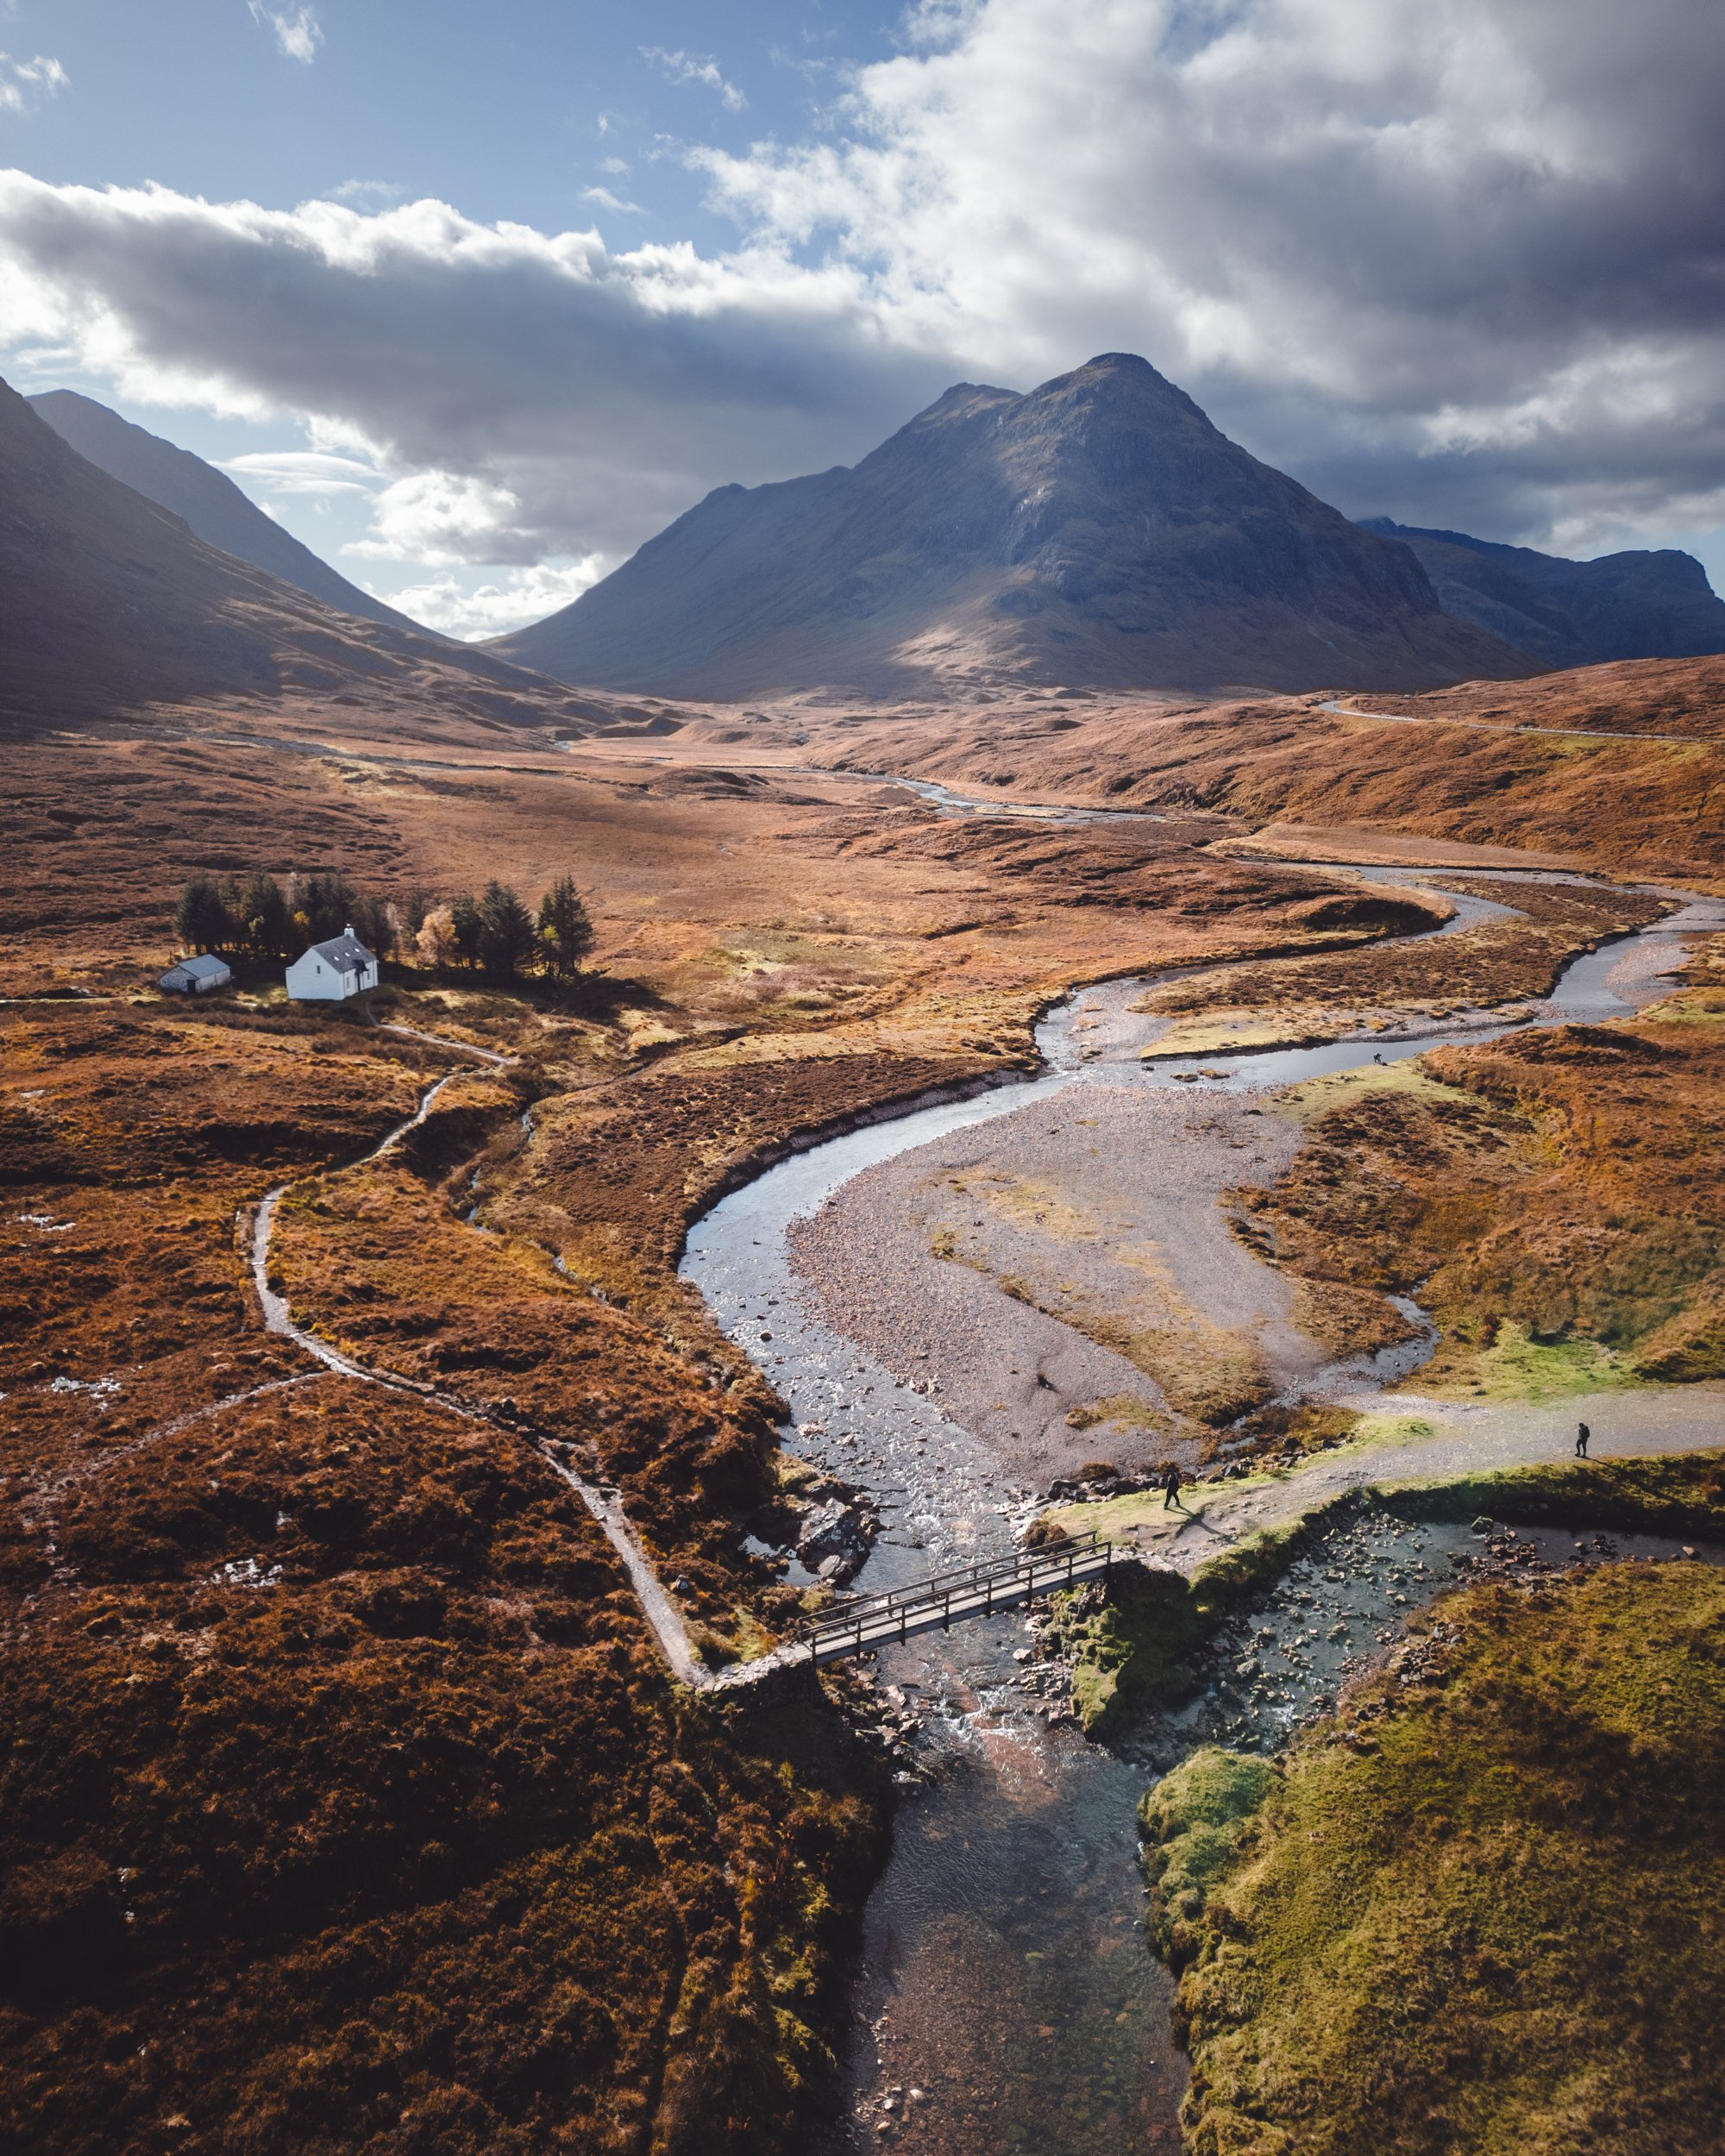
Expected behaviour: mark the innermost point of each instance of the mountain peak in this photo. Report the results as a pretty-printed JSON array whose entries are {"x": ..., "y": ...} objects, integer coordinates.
[{"x": 1097, "y": 529}]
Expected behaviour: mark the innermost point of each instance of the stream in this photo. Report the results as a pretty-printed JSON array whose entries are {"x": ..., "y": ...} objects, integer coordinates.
[{"x": 1008, "y": 2000}]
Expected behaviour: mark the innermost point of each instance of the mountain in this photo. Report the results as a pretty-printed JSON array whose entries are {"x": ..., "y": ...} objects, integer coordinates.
[
  {"x": 205, "y": 500},
  {"x": 1098, "y": 530},
  {"x": 1638, "y": 605},
  {"x": 109, "y": 603}
]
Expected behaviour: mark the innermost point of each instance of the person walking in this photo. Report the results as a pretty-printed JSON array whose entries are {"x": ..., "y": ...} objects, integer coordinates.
[
  {"x": 1170, "y": 1487},
  {"x": 1582, "y": 1434}
]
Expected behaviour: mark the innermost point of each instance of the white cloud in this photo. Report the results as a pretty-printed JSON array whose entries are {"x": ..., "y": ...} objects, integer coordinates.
[
  {"x": 306, "y": 472},
  {"x": 576, "y": 397},
  {"x": 442, "y": 518},
  {"x": 369, "y": 194},
  {"x": 298, "y": 34},
  {"x": 25, "y": 84},
  {"x": 1415, "y": 244},
  {"x": 606, "y": 200},
  {"x": 493, "y": 609},
  {"x": 687, "y": 67}
]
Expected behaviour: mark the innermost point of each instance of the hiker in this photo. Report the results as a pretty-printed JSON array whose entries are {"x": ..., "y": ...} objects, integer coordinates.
[
  {"x": 1582, "y": 1434},
  {"x": 1170, "y": 1487}
]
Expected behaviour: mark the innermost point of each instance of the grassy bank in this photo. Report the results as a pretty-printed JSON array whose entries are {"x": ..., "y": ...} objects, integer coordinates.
[{"x": 1480, "y": 1910}]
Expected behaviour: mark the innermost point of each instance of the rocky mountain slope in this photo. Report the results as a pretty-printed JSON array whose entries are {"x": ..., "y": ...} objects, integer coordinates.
[
  {"x": 205, "y": 500},
  {"x": 1098, "y": 530},
  {"x": 1637, "y": 605},
  {"x": 110, "y": 604}
]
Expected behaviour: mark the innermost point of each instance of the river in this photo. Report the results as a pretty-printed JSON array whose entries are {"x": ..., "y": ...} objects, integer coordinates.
[{"x": 1008, "y": 2000}]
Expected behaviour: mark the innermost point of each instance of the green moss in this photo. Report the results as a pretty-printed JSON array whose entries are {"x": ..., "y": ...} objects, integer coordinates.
[
  {"x": 1194, "y": 1823},
  {"x": 1693, "y": 1006},
  {"x": 1480, "y": 1912},
  {"x": 1316, "y": 1098},
  {"x": 1516, "y": 1366}
]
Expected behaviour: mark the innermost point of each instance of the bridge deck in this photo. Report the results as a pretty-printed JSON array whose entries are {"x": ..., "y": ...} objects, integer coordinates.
[{"x": 977, "y": 1590}]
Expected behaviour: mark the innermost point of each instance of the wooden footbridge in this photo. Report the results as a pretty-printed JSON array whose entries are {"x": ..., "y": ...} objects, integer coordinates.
[{"x": 948, "y": 1598}]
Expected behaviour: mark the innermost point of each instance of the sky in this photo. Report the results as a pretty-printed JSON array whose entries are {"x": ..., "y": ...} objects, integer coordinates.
[{"x": 475, "y": 300}]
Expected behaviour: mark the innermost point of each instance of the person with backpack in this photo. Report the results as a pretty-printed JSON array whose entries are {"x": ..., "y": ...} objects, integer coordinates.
[
  {"x": 1582, "y": 1434},
  {"x": 1170, "y": 1487}
]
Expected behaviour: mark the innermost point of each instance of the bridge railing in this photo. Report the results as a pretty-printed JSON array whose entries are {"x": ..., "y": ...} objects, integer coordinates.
[{"x": 971, "y": 1590}]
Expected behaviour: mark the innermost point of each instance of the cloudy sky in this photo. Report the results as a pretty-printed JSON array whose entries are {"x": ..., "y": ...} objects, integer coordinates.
[{"x": 474, "y": 300}]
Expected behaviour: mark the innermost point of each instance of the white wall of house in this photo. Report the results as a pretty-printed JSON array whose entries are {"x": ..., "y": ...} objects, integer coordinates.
[{"x": 312, "y": 979}]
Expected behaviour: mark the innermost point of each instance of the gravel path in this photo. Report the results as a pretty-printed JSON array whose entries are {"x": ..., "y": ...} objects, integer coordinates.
[
  {"x": 1467, "y": 1439},
  {"x": 659, "y": 1610}
]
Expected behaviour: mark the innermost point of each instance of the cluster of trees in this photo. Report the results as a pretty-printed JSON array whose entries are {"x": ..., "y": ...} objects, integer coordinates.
[
  {"x": 256, "y": 919},
  {"x": 494, "y": 934}
]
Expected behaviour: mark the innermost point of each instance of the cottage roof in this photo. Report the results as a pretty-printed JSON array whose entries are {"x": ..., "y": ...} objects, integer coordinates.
[{"x": 345, "y": 952}]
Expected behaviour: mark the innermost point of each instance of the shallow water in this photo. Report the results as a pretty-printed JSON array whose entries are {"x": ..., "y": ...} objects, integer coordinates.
[{"x": 1007, "y": 1978}]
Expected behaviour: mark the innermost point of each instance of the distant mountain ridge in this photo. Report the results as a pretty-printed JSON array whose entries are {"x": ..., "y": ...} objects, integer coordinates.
[
  {"x": 1097, "y": 531},
  {"x": 108, "y": 604},
  {"x": 205, "y": 500},
  {"x": 1637, "y": 605}
]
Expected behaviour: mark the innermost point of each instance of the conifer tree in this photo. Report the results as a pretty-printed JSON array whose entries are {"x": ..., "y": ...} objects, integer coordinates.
[
  {"x": 202, "y": 917},
  {"x": 565, "y": 934},
  {"x": 467, "y": 927},
  {"x": 263, "y": 919},
  {"x": 506, "y": 937}
]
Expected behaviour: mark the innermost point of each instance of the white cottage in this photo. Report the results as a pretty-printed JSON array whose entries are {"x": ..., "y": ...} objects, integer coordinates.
[
  {"x": 196, "y": 976},
  {"x": 329, "y": 973}
]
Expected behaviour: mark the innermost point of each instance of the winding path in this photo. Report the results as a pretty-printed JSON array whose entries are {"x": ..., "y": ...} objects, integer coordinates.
[
  {"x": 1630, "y": 1423},
  {"x": 602, "y": 1501},
  {"x": 1493, "y": 727}
]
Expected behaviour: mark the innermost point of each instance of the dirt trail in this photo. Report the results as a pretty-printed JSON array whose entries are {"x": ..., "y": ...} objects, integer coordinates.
[
  {"x": 1498, "y": 726},
  {"x": 1468, "y": 1439},
  {"x": 604, "y": 1504}
]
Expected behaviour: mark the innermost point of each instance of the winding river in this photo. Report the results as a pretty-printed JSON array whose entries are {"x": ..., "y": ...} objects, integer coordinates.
[{"x": 1009, "y": 2002}]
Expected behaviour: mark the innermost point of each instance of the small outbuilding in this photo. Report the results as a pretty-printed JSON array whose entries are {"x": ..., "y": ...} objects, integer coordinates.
[
  {"x": 198, "y": 976},
  {"x": 331, "y": 972}
]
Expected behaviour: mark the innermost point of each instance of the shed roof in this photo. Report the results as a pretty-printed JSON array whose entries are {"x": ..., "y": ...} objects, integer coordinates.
[{"x": 205, "y": 966}]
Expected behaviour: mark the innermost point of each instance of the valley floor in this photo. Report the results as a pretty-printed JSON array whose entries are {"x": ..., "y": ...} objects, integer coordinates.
[{"x": 351, "y": 1806}]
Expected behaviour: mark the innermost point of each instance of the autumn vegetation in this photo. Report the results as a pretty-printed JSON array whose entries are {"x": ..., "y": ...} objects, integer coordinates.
[
  {"x": 348, "y": 1807},
  {"x": 1558, "y": 1196}
]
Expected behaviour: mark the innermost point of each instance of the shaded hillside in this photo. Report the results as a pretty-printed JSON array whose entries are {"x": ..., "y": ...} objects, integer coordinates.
[
  {"x": 108, "y": 604},
  {"x": 1097, "y": 531},
  {"x": 206, "y": 500},
  {"x": 1638, "y": 605}
]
